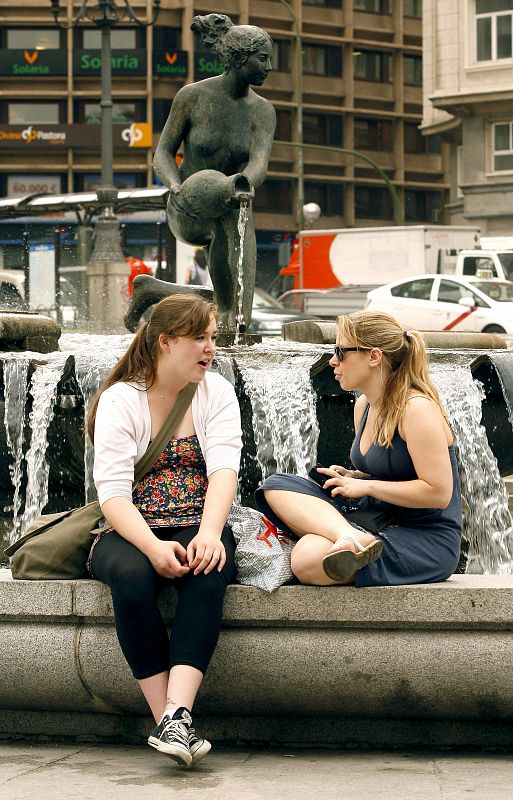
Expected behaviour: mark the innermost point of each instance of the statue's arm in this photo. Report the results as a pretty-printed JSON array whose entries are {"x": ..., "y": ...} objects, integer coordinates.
[
  {"x": 264, "y": 126},
  {"x": 172, "y": 136}
]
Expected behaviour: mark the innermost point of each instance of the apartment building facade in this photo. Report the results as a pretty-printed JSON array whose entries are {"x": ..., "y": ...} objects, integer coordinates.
[
  {"x": 361, "y": 75},
  {"x": 468, "y": 101}
]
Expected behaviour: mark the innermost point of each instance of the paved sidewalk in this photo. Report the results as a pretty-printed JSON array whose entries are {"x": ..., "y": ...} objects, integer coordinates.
[{"x": 110, "y": 772}]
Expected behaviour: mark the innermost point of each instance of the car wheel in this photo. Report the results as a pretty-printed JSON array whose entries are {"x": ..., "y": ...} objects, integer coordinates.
[{"x": 493, "y": 329}]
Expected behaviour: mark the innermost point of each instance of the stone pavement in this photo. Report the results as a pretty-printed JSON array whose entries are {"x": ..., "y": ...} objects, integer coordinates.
[{"x": 108, "y": 772}]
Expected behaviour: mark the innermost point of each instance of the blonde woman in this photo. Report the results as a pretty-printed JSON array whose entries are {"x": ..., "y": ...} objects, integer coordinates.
[{"x": 405, "y": 472}]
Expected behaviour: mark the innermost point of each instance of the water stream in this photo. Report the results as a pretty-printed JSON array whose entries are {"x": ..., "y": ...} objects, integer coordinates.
[
  {"x": 284, "y": 406},
  {"x": 15, "y": 398},
  {"x": 94, "y": 357},
  {"x": 43, "y": 388},
  {"x": 241, "y": 228},
  {"x": 488, "y": 524}
]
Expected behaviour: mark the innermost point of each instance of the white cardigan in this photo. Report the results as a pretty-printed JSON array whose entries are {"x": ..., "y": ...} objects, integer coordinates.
[{"x": 123, "y": 427}]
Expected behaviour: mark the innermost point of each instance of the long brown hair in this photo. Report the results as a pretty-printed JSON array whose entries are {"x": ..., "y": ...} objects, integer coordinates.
[
  {"x": 405, "y": 353},
  {"x": 177, "y": 315}
]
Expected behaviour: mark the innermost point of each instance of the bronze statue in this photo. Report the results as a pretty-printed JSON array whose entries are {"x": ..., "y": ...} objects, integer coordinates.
[{"x": 226, "y": 131}]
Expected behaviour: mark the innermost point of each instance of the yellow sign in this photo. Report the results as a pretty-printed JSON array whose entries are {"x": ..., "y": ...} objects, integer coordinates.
[{"x": 138, "y": 134}]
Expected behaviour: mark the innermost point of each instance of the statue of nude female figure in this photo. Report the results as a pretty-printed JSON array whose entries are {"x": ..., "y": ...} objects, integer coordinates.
[{"x": 226, "y": 131}]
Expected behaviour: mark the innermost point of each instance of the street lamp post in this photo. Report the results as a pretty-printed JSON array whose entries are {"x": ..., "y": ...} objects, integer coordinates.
[
  {"x": 299, "y": 115},
  {"x": 105, "y": 14}
]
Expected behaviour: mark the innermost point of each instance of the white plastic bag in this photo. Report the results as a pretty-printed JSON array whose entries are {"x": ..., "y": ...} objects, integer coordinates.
[{"x": 262, "y": 556}]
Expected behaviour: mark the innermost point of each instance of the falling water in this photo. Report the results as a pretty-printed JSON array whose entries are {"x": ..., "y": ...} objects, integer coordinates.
[
  {"x": 94, "y": 357},
  {"x": 284, "y": 407},
  {"x": 488, "y": 526},
  {"x": 241, "y": 227},
  {"x": 43, "y": 388},
  {"x": 15, "y": 371}
]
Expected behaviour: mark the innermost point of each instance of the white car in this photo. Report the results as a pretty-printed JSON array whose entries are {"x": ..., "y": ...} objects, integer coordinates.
[{"x": 447, "y": 302}]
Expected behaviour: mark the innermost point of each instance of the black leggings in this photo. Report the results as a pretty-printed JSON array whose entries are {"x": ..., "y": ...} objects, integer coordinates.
[{"x": 135, "y": 588}]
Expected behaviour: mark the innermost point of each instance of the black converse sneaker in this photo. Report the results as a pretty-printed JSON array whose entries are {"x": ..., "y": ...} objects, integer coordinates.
[
  {"x": 199, "y": 747},
  {"x": 171, "y": 736}
]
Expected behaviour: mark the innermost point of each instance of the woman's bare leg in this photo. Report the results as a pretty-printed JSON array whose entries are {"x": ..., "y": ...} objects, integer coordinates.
[
  {"x": 154, "y": 690},
  {"x": 173, "y": 689},
  {"x": 319, "y": 525}
]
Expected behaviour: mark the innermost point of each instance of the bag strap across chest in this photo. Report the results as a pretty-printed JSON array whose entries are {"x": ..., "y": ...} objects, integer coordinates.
[{"x": 166, "y": 432}]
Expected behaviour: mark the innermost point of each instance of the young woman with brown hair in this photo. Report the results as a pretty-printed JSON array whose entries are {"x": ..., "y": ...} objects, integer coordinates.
[
  {"x": 405, "y": 471},
  {"x": 171, "y": 527}
]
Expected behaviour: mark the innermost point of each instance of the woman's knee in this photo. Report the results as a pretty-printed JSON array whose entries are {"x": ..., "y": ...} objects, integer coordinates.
[
  {"x": 307, "y": 556},
  {"x": 208, "y": 589}
]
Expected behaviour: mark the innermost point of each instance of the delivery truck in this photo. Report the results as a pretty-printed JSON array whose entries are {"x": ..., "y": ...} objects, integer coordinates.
[{"x": 374, "y": 256}]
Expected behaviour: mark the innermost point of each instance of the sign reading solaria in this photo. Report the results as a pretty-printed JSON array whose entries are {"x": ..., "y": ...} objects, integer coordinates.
[
  {"x": 31, "y": 63},
  {"x": 170, "y": 63},
  {"x": 123, "y": 62}
]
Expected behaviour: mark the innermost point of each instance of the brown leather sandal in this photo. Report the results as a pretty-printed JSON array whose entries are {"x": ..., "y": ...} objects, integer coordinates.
[{"x": 342, "y": 564}]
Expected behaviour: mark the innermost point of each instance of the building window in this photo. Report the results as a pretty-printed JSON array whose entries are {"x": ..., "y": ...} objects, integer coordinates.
[
  {"x": 161, "y": 110},
  {"x": 324, "y": 3},
  {"x": 167, "y": 38},
  {"x": 503, "y": 146},
  {"x": 281, "y": 55},
  {"x": 321, "y": 60},
  {"x": 374, "y": 6},
  {"x": 33, "y": 39},
  {"x": 90, "y": 181},
  {"x": 493, "y": 29},
  {"x": 373, "y": 134},
  {"x": 274, "y": 196},
  {"x": 413, "y": 70},
  {"x": 373, "y": 202},
  {"x": 121, "y": 39},
  {"x": 422, "y": 206},
  {"x": 415, "y": 142},
  {"x": 322, "y": 129},
  {"x": 370, "y": 65},
  {"x": 34, "y": 113},
  {"x": 122, "y": 113},
  {"x": 283, "y": 125},
  {"x": 412, "y": 8},
  {"x": 329, "y": 196}
]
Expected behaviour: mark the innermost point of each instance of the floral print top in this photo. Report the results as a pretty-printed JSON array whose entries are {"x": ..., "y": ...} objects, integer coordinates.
[{"x": 173, "y": 491}]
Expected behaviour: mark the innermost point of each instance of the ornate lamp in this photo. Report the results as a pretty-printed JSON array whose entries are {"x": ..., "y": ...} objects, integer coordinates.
[{"x": 106, "y": 14}]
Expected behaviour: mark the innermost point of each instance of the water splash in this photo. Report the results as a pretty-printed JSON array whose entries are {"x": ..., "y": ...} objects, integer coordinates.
[
  {"x": 284, "y": 408},
  {"x": 43, "y": 388},
  {"x": 15, "y": 370},
  {"x": 488, "y": 525},
  {"x": 241, "y": 227},
  {"x": 91, "y": 367}
]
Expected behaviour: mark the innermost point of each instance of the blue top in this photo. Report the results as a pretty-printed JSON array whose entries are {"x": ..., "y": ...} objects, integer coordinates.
[{"x": 394, "y": 463}]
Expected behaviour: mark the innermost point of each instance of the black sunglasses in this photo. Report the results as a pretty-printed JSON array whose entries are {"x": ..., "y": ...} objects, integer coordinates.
[{"x": 341, "y": 351}]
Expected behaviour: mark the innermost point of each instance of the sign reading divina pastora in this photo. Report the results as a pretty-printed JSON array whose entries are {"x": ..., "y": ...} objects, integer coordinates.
[
  {"x": 123, "y": 62},
  {"x": 135, "y": 134},
  {"x": 31, "y": 63}
]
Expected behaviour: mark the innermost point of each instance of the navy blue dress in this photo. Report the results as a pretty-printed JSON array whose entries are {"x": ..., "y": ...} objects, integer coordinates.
[{"x": 423, "y": 546}]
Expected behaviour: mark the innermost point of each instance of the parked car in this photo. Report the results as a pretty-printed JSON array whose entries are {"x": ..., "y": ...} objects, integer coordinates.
[
  {"x": 269, "y": 315},
  {"x": 442, "y": 303},
  {"x": 326, "y": 303}
]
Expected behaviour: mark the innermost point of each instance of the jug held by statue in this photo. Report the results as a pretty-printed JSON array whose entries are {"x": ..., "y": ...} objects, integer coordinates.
[{"x": 208, "y": 194}]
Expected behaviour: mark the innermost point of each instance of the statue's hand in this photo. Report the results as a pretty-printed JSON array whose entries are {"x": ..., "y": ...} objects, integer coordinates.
[{"x": 174, "y": 188}]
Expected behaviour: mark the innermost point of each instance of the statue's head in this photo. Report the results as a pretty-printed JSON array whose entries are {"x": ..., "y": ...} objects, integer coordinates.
[{"x": 235, "y": 44}]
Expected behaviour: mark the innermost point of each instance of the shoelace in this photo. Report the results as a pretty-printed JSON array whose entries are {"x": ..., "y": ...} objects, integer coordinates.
[{"x": 177, "y": 728}]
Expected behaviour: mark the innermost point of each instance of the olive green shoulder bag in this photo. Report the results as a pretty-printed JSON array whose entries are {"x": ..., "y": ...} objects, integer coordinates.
[{"x": 56, "y": 546}]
